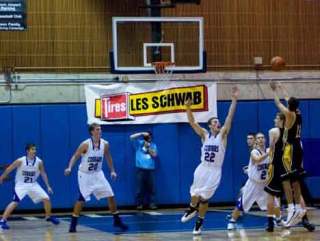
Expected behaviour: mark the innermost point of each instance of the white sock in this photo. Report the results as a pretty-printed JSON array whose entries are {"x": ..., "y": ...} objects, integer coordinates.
[
  {"x": 298, "y": 206},
  {"x": 290, "y": 206},
  {"x": 192, "y": 205}
]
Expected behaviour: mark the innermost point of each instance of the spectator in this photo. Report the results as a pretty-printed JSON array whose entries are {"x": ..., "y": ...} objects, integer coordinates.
[{"x": 146, "y": 152}]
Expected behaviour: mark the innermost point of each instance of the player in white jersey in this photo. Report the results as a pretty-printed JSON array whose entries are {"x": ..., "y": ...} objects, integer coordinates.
[
  {"x": 29, "y": 168},
  {"x": 253, "y": 190},
  {"x": 251, "y": 142},
  {"x": 208, "y": 173},
  {"x": 91, "y": 178}
]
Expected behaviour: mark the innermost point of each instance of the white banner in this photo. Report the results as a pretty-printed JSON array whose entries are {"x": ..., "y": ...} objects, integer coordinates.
[{"x": 144, "y": 103}]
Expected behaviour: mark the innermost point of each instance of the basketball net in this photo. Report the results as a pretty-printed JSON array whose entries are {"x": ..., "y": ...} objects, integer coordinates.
[{"x": 163, "y": 69}]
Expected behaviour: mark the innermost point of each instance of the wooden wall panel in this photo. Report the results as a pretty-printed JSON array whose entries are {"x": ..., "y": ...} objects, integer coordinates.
[
  {"x": 77, "y": 33},
  {"x": 238, "y": 30},
  {"x": 64, "y": 33}
]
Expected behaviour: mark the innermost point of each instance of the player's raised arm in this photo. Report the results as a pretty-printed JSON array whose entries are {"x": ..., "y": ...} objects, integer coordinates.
[
  {"x": 80, "y": 150},
  {"x": 274, "y": 134},
  {"x": 232, "y": 109},
  {"x": 282, "y": 108},
  {"x": 9, "y": 169},
  {"x": 284, "y": 91},
  {"x": 195, "y": 126}
]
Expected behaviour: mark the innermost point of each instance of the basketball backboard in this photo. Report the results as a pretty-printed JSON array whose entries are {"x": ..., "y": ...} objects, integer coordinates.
[{"x": 139, "y": 41}]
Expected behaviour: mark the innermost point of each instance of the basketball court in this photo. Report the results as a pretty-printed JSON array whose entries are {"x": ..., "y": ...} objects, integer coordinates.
[
  {"x": 157, "y": 225},
  {"x": 131, "y": 66}
]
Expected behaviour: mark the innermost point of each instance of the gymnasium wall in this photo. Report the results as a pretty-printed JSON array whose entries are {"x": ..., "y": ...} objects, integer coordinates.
[
  {"x": 77, "y": 34},
  {"x": 57, "y": 129},
  {"x": 64, "y": 33},
  {"x": 237, "y": 31}
]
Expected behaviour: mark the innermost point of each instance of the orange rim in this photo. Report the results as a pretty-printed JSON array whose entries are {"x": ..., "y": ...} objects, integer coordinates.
[{"x": 160, "y": 66}]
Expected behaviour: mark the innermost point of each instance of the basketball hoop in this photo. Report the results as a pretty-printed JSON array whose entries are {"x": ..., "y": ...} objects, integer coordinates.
[{"x": 163, "y": 69}]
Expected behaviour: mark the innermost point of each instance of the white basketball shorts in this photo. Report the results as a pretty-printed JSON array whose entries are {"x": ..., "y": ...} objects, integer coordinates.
[
  {"x": 206, "y": 180},
  {"x": 33, "y": 190},
  {"x": 94, "y": 183},
  {"x": 253, "y": 192}
]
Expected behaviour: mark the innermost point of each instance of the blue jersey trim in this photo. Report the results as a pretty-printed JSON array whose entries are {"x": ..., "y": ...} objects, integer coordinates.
[
  {"x": 239, "y": 204},
  {"x": 15, "y": 197}
]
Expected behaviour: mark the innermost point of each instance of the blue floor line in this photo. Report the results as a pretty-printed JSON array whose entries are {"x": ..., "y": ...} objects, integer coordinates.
[{"x": 145, "y": 223}]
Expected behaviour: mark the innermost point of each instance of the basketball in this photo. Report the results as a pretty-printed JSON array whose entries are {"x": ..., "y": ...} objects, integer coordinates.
[{"x": 277, "y": 63}]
